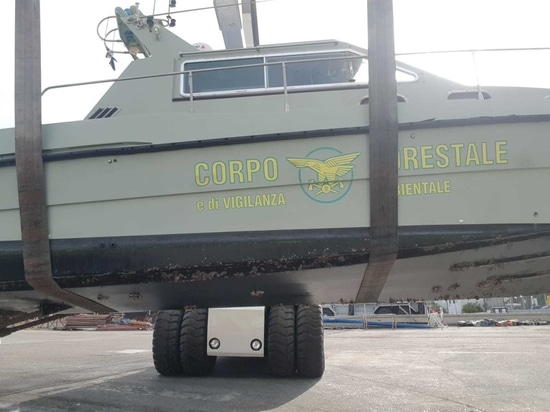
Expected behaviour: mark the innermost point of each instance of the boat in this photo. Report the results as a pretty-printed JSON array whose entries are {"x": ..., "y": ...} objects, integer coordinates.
[{"x": 240, "y": 178}]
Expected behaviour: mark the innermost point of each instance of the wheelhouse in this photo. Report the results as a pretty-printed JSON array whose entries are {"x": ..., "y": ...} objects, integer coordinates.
[{"x": 207, "y": 77}]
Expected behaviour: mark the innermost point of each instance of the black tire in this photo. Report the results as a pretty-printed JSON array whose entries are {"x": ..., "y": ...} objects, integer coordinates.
[
  {"x": 166, "y": 343},
  {"x": 194, "y": 360},
  {"x": 281, "y": 341},
  {"x": 310, "y": 348}
]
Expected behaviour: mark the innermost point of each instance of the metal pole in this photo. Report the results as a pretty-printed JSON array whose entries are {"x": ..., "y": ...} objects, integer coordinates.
[{"x": 383, "y": 133}]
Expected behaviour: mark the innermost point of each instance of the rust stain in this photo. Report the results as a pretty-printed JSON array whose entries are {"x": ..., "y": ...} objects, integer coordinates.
[
  {"x": 493, "y": 281},
  {"x": 453, "y": 287},
  {"x": 495, "y": 263},
  {"x": 180, "y": 273}
]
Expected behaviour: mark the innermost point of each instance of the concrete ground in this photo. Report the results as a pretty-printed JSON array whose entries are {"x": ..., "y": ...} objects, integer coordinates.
[{"x": 454, "y": 369}]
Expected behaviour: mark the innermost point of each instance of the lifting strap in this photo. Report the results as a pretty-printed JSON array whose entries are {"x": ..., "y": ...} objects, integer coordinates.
[
  {"x": 383, "y": 133},
  {"x": 31, "y": 182}
]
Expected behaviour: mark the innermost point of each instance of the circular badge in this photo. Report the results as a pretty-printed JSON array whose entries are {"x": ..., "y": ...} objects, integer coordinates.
[{"x": 325, "y": 174}]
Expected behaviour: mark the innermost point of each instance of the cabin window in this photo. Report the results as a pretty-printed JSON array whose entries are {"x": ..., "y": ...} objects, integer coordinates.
[
  {"x": 208, "y": 76},
  {"x": 468, "y": 95},
  {"x": 310, "y": 69},
  {"x": 262, "y": 73}
]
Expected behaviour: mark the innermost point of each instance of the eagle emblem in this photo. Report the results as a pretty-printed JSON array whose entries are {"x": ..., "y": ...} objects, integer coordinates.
[{"x": 329, "y": 172}]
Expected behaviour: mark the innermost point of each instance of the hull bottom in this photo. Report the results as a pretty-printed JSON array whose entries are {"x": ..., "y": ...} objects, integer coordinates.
[{"x": 264, "y": 269}]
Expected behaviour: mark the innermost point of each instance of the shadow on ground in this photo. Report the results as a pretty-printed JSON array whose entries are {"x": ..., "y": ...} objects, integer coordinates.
[{"x": 238, "y": 384}]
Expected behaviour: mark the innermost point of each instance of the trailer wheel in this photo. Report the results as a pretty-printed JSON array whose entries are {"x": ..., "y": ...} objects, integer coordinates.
[
  {"x": 310, "y": 351},
  {"x": 166, "y": 342},
  {"x": 194, "y": 360},
  {"x": 281, "y": 341}
]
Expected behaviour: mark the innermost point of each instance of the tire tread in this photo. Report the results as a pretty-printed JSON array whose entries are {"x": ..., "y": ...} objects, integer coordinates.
[
  {"x": 166, "y": 342},
  {"x": 310, "y": 351},
  {"x": 193, "y": 337},
  {"x": 281, "y": 341}
]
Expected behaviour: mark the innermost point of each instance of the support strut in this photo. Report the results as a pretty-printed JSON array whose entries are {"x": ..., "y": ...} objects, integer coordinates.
[
  {"x": 383, "y": 133},
  {"x": 31, "y": 182}
]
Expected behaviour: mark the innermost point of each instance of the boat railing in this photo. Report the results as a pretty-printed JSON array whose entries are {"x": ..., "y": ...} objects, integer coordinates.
[
  {"x": 192, "y": 95},
  {"x": 358, "y": 81},
  {"x": 283, "y": 89}
]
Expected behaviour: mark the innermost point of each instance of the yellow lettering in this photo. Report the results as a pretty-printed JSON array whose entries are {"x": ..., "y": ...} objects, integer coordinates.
[
  {"x": 457, "y": 147},
  {"x": 252, "y": 166},
  {"x": 455, "y": 154},
  {"x": 236, "y": 171},
  {"x": 219, "y": 173},
  {"x": 425, "y": 156},
  {"x": 271, "y": 171},
  {"x": 424, "y": 188},
  {"x": 251, "y": 201},
  {"x": 443, "y": 157},
  {"x": 410, "y": 156},
  {"x": 233, "y": 171},
  {"x": 471, "y": 155},
  {"x": 199, "y": 180},
  {"x": 500, "y": 152},
  {"x": 484, "y": 159},
  {"x": 239, "y": 202}
]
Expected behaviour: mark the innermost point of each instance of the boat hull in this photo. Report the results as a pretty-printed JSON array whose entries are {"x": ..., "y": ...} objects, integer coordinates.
[
  {"x": 262, "y": 220},
  {"x": 254, "y": 269}
]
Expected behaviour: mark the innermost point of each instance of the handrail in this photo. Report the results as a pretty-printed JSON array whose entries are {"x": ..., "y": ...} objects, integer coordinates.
[
  {"x": 191, "y": 72},
  {"x": 358, "y": 56},
  {"x": 285, "y": 90},
  {"x": 149, "y": 76},
  {"x": 506, "y": 49},
  {"x": 116, "y": 80}
]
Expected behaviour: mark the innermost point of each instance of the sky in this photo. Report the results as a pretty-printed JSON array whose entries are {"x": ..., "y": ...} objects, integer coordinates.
[{"x": 72, "y": 51}]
